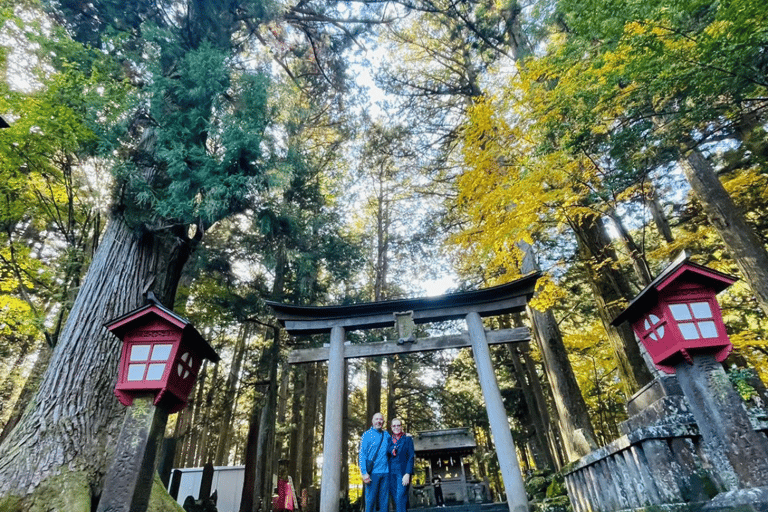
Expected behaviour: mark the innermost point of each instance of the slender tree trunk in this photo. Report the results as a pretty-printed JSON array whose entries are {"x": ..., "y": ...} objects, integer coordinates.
[
  {"x": 297, "y": 423},
  {"x": 659, "y": 217},
  {"x": 193, "y": 448},
  {"x": 208, "y": 424},
  {"x": 554, "y": 439},
  {"x": 263, "y": 486},
  {"x": 28, "y": 391},
  {"x": 229, "y": 401},
  {"x": 11, "y": 380},
  {"x": 75, "y": 414},
  {"x": 311, "y": 420},
  {"x": 391, "y": 387},
  {"x": 539, "y": 428},
  {"x": 373, "y": 393},
  {"x": 250, "y": 456},
  {"x": 636, "y": 254},
  {"x": 575, "y": 426}
]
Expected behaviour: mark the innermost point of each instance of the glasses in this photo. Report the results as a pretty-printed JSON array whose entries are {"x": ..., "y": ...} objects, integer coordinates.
[{"x": 398, "y": 425}]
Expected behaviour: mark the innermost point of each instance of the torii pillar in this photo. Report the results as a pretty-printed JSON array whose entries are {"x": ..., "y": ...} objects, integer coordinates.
[{"x": 470, "y": 306}]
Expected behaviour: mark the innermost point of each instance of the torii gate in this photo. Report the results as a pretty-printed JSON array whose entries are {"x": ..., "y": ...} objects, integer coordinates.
[{"x": 508, "y": 298}]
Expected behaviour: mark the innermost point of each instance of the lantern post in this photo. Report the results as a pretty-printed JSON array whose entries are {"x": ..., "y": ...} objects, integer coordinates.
[
  {"x": 160, "y": 358},
  {"x": 678, "y": 320}
]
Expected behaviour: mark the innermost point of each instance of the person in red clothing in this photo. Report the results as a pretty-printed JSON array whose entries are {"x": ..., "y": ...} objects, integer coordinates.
[{"x": 401, "y": 454}]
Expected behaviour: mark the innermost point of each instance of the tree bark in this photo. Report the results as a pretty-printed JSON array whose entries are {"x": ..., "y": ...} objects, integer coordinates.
[
  {"x": 575, "y": 426},
  {"x": 310, "y": 420},
  {"x": 659, "y": 217},
  {"x": 542, "y": 456},
  {"x": 75, "y": 414},
  {"x": 229, "y": 402},
  {"x": 553, "y": 434},
  {"x": 373, "y": 393},
  {"x": 294, "y": 442},
  {"x": 612, "y": 292}
]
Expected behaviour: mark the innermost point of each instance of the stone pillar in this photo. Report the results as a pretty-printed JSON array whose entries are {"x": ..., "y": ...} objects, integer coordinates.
[
  {"x": 738, "y": 453},
  {"x": 128, "y": 483},
  {"x": 497, "y": 416},
  {"x": 330, "y": 484}
]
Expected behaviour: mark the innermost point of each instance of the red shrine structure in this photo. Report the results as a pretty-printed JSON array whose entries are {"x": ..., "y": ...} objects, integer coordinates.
[
  {"x": 678, "y": 315},
  {"x": 162, "y": 354}
]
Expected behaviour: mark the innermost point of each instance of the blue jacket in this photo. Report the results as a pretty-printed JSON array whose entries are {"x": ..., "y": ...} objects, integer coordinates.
[
  {"x": 402, "y": 462},
  {"x": 368, "y": 445}
]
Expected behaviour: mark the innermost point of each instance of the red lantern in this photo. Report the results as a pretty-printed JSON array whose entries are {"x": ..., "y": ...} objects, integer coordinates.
[
  {"x": 162, "y": 354},
  {"x": 678, "y": 315}
]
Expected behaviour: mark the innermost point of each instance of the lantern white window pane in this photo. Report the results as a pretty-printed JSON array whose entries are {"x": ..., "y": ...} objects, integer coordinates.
[
  {"x": 652, "y": 335},
  {"x": 660, "y": 330},
  {"x": 708, "y": 329},
  {"x": 161, "y": 352},
  {"x": 155, "y": 371},
  {"x": 680, "y": 311},
  {"x": 185, "y": 357},
  {"x": 646, "y": 324},
  {"x": 689, "y": 332},
  {"x": 136, "y": 371},
  {"x": 179, "y": 369},
  {"x": 140, "y": 353},
  {"x": 701, "y": 310}
]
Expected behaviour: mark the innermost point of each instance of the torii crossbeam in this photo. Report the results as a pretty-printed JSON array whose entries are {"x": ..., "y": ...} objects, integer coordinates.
[{"x": 471, "y": 306}]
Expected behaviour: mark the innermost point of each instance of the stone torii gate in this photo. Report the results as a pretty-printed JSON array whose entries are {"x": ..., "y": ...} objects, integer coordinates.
[{"x": 471, "y": 306}]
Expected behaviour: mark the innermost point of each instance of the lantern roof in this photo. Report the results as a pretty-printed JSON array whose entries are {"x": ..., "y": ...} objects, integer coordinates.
[
  {"x": 153, "y": 308},
  {"x": 681, "y": 269}
]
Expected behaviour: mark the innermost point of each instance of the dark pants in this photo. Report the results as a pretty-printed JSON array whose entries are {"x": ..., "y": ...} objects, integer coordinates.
[
  {"x": 399, "y": 492},
  {"x": 439, "y": 496},
  {"x": 377, "y": 492}
]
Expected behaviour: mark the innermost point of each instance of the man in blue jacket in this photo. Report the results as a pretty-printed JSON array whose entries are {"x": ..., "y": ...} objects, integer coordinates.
[
  {"x": 374, "y": 464},
  {"x": 401, "y": 453}
]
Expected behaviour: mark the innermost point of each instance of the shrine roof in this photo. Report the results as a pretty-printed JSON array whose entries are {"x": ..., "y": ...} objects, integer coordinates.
[
  {"x": 506, "y": 298},
  {"x": 454, "y": 440}
]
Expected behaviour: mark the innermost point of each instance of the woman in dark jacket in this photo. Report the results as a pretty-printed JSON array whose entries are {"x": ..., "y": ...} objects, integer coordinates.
[{"x": 400, "y": 451}]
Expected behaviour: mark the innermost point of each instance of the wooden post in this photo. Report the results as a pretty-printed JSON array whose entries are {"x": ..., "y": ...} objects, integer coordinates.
[
  {"x": 129, "y": 479},
  {"x": 497, "y": 416},
  {"x": 330, "y": 484}
]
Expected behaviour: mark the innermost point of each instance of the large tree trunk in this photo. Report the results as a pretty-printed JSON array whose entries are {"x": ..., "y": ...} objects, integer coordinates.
[
  {"x": 554, "y": 438},
  {"x": 542, "y": 455},
  {"x": 743, "y": 244},
  {"x": 575, "y": 426},
  {"x": 612, "y": 292},
  {"x": 75, "y": 416}
]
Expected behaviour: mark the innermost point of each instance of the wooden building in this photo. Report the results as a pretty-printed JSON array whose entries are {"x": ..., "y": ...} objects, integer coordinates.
[{"x": 446, "y": 454}]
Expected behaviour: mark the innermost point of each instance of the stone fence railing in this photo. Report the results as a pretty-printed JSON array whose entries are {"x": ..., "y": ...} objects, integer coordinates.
[{"x": 660, "y": 461}]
